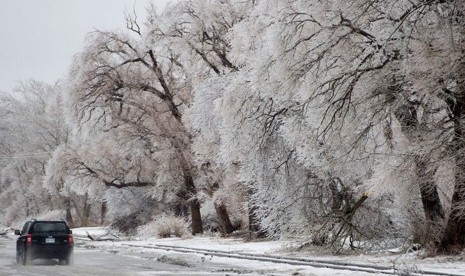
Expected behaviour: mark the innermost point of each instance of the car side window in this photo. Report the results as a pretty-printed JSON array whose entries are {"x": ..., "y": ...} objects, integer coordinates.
[{"x": 25, "y": 227}]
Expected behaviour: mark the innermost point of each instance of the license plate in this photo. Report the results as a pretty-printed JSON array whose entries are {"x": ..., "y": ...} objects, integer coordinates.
[{"x": 49, "y": 240}]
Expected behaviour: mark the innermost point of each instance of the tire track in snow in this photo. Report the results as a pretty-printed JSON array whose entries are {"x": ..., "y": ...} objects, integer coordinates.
[{"x": 294, "y": 261}]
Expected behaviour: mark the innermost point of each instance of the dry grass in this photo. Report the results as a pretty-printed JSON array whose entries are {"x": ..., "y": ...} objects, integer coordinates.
[{"x": 165, "y": 226}]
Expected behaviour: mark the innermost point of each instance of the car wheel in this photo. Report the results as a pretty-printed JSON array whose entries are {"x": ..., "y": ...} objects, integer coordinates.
[
  {"x": 68, "y": 259},
  {"x": 18, "y": 257},
  {"x": 65, "y": 261},
  {"x": 26, "y": 259}
]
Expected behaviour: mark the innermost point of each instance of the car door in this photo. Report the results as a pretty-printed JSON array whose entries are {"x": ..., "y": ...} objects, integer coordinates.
[{"x": 21, "y": 241}]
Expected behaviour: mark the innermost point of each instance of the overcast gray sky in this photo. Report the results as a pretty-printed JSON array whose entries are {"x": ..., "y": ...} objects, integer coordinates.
[{"x": 38, "y": 38}]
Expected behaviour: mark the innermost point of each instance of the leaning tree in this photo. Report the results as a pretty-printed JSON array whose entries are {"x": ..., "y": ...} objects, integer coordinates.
[{"x": 119, "y": 83}]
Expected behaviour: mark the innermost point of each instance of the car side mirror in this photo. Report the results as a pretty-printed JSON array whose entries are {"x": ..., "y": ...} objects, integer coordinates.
[
  {"x": 17, "y": 232},
  {"x": 71, "y": 231}
]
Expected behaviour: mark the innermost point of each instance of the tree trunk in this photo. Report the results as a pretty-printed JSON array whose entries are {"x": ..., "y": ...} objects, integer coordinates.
[
  {"x": 225, "y": 224},
  {"x": 197, "y": 226},
  {"x": 454, "y": 235},
  {"x": 27, "y": 208},
  {"x": 85, "y": 211},
  {"x": 103, "y": 212},
  {"x": 431, "y": 202},
  {"x": 429, "y": 193},
  {"x": 69, "y": 217},
  {"x": 191, "y": 197},
  {"x": 337, "y": 194},
  {"x": 253, "y": 225},
  {"x": 78, "y": 213}
]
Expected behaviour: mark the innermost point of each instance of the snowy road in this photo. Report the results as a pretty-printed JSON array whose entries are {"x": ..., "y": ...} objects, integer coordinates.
[
  {"x": 93, "y": 262},
  {"x": 90, "y": 262},
  {"x": 86, "y": 262},
  {"x": 118, "y": 260}
]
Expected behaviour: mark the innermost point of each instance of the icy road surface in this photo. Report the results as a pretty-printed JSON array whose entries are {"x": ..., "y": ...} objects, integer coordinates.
[
  {"x": 89, "y": 261},
  {"x": 93, "y": 262},
  {"x": 86, "y": 262},
  {"x": 119, "y": 258}
]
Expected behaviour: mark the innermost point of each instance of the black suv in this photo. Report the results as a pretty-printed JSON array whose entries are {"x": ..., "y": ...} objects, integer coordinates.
[{"x": 44, "y": 239}]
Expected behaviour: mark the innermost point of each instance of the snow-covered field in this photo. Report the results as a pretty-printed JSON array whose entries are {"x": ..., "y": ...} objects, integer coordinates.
[{"x": 403, "y": 263}]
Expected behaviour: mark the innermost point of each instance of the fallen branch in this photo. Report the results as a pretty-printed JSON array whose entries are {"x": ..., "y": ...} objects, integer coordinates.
[
  {"x": 100, "y": 238},
  {"x": 347, "y": 228}
]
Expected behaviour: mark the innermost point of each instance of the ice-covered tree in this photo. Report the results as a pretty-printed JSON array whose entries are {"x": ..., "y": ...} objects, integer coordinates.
[
  {"x": 32, "y": 128},
  {"x": 136, "y": 84},
  {"x": 434, "y": 72},
  {"x": 328, "y": 79}
]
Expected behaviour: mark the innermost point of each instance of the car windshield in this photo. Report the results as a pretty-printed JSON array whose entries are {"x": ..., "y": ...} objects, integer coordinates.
[{"x": 49, "y": 227}]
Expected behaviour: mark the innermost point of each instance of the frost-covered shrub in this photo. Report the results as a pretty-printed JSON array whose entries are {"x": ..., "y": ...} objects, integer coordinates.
[
  {"x": 165, "y": 226},
  {"x": 128, "y": 209},
  {"x": 128, "y": 224}
]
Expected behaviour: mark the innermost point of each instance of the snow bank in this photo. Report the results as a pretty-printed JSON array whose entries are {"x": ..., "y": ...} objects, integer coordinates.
[{"x": 408, "y": 262}]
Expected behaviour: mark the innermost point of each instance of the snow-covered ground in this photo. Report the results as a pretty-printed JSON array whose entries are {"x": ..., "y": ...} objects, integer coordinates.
[{"x": 403, "y": 263}]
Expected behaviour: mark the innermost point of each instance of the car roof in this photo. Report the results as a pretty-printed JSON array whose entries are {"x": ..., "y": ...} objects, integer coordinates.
[{"x": 54, "y": 221}]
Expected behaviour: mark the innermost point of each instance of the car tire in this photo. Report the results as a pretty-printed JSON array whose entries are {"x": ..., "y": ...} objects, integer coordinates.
[
  {"x": 25, "y": 258},
  {"x": 66, "y": 261},
  {"x": 18, "y": 257},
  {"x": 69, "y": 259}
]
